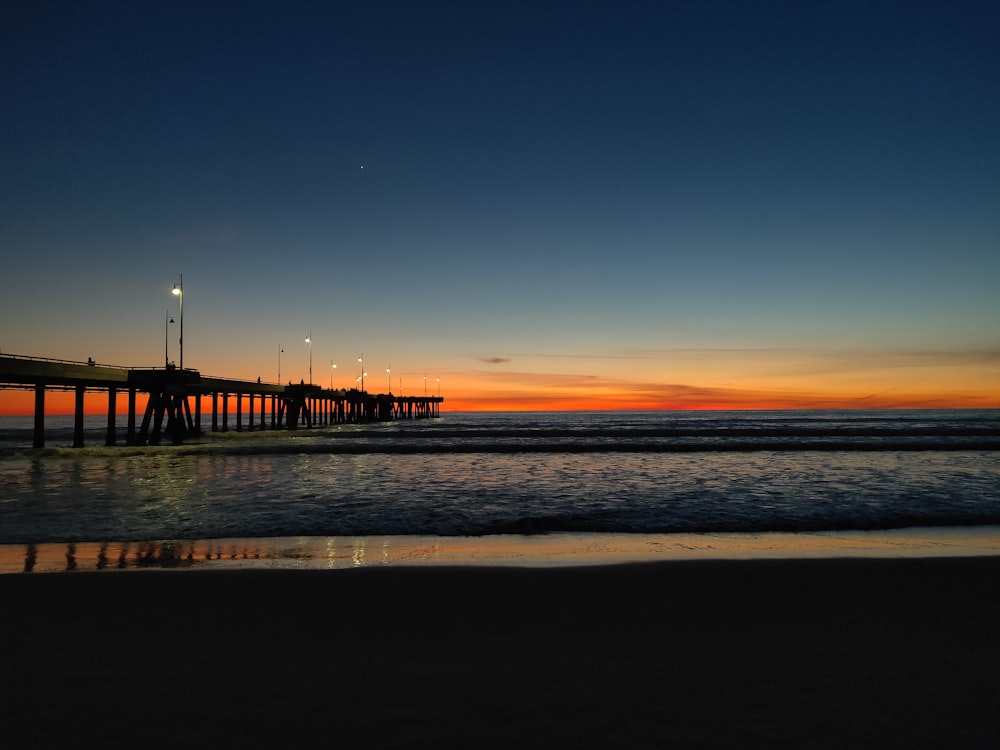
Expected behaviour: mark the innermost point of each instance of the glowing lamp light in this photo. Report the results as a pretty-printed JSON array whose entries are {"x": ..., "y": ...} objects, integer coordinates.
[
  {"x": 310, "y": 342},
  {"x": 178, "y": 291}
]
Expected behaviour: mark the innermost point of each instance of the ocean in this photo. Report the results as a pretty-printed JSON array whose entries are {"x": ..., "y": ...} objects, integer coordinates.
[{"x": 511, "y": 473}]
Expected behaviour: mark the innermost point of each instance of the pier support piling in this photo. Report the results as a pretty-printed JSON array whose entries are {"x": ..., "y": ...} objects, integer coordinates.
[
  {"x": 39, "y": 434},
  {"x": 130, "y": 429},
  {"x": 78, "y": 417},
  {"x": 110, "y": 438}
]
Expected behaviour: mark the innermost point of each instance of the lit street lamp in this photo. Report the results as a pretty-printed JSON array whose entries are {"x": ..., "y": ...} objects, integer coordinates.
[
  {"x": 439, "y": 387},
  {"x": 309, "y": 340},
  {"x": 178, "y": 291},
  {"x": 388, "y": 372},
  {"x": 332, "y": 368},
  {"x": 361, "y": 359}
]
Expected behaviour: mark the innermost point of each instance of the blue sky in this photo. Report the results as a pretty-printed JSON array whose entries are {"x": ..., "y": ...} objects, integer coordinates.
[{"x": 525, "y": 197}]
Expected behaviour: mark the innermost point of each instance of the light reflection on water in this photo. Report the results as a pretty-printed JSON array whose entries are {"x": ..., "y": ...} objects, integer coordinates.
[{"x": 137, "y": 497}]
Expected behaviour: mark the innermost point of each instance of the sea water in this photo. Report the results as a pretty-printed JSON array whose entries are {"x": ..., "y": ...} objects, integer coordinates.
[{"x": 468, "y": 474}]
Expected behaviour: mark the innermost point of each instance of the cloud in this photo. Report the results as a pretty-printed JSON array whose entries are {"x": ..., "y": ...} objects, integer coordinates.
[
  {"x": 495, "y": 360},
  {"x": 623, "y": 355}
]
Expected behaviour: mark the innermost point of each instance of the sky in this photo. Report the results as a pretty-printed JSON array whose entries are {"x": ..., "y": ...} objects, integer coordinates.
[{"x": 524, "y": 205}]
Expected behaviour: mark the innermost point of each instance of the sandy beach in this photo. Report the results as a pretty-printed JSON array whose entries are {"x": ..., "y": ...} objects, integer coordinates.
[{"x": 761, "y": 653}]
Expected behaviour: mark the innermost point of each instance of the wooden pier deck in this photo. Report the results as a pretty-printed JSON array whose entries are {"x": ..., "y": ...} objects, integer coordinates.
[{"x": 171, "y": 393}]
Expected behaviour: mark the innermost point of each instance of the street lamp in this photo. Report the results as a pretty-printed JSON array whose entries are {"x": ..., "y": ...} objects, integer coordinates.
[
  {"x": 439, "y": 387},
  {"x": 388, "y": 372},
  {"x": 361, "y": 359},
  {"x": 166, "y": 338},
  {"x": 280, "y": 350},
  {"x": 309, "y": 340},
  {"x": 178, "y": 291},
  {"x": 332, "y": 368},
  {"x": 425, "y": 384}
]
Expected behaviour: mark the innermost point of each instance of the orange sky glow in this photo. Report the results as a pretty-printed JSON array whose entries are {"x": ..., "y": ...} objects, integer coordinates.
[{"x": 471, "y": 395}]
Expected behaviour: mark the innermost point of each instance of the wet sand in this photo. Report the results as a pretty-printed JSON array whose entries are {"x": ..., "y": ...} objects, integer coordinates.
[
  {"x": 536, "y": 551},
  {"x": 761, "y": 653}
]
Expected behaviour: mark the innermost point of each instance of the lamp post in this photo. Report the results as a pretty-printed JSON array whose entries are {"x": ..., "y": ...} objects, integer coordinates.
[
  {"x": 309, "y": 340},
  {"x": 439, "y": 387},
  {"x": 178, "y": 291},
  {"x": 280, "y": 350},
  {"x": 166, "y": 339},
  {"x": 425, "y": 384},
  {"x": 332, "y": 368},
  {"x": 388, "y": 373},
  {"x": 361, "y": 359}
]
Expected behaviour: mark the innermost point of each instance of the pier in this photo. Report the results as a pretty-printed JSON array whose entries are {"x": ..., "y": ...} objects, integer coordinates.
[{"x": 172, "y": 392}]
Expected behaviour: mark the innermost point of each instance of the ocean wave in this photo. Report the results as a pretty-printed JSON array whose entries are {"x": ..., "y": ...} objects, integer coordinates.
[
  {"x": 575, "y": 432},
  {"x": 521, "y": 445}
]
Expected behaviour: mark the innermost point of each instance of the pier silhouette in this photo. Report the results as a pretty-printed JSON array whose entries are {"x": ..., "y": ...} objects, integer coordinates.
[{"x": 172, "y": 391}]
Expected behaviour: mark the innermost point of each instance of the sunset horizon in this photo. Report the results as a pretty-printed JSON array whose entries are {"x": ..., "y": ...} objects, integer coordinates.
[{"x": 20, "y": 402}]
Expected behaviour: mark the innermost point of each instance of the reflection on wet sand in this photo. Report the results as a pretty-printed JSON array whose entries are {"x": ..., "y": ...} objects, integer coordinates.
[
  {"x": 77, "y": 556},
  {"x": 541, "y": 550}
]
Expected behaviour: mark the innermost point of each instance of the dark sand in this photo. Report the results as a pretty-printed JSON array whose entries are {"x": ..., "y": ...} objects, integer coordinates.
[{"x": 768, "y": 653}]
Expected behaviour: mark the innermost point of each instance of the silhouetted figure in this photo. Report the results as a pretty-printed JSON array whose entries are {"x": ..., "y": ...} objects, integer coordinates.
[{"x": 90, "y": 362}]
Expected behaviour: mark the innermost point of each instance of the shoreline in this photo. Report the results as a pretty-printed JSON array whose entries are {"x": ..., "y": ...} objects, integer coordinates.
[{"x": 527, "y": 551}]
